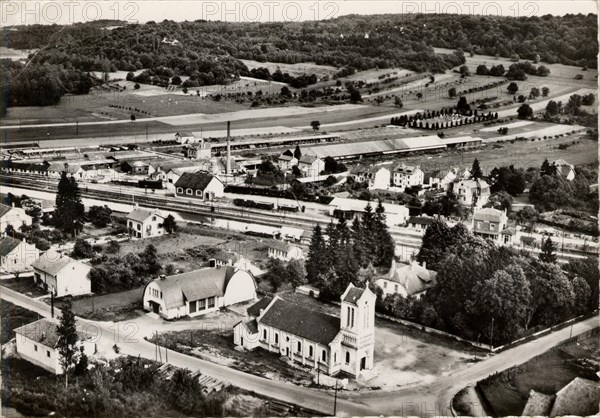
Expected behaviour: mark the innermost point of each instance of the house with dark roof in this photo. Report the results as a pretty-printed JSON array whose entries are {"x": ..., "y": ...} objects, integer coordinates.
[
  {"x": 137, "y": 168},
  {"x": 439, "y": 178},
  {"x": 202, "y": 186},
  {"x": 198, "y": 292},
  {"x": 145, "y": 223},
  {"x": 580, "y": 397},
  {"x": 16, "y": 256},
  {"x": 286, "y": 161},
  {"x": 315, "y": 339},
  {"x": 59, "y": 274},
  {"x": 407, "y": 176},
  {"x": 37, "y": 343},
  {"x": 407, "y": 280},
  {"x": 419, "y": 223}
]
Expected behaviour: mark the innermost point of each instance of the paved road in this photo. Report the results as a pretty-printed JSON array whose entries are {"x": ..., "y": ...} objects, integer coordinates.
[{"x": 431, "y": 399}]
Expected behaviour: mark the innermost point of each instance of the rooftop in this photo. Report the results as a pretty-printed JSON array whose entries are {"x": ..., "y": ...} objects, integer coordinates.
[
  {"x": 4, "y": 209},
  {"x": 301, "y": 322},
  {"x": 488, "y": 215},
  {"x": 194, "y": 285},
  {"x": 538, "y": 404},
  {"x": 7, "y": 244},
  {"x": 255, "y": 309},
  {"x": 195, "y": 181},
  {"x": 413, "y": 277},
  {"x": 140, "y": 215},
  {"x": 42, "y": 331},
  {"x": 52, "y": 262},
  {"x": 580, "y": 397}
]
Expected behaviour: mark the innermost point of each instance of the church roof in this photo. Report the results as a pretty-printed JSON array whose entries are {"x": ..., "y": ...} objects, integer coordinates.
[{"x": 302, "y": 322}]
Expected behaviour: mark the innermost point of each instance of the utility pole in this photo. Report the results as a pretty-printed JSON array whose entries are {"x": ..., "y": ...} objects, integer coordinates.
[
  {"x": 335, "y": 398},
  {"x": 492, "y": 336}
]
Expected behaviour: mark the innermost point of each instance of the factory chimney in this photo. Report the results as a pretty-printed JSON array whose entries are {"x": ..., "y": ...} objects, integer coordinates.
[{"x": 228, "y": 148}]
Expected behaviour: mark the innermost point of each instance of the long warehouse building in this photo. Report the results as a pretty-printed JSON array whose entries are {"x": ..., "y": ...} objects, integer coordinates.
[{"x": 390, "y": 146}]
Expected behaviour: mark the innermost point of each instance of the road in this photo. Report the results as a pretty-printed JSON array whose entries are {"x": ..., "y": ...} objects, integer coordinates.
[{"x": 418, "y": 400}]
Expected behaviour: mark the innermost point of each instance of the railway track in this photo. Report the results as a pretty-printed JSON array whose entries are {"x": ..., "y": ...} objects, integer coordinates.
[{"x": 405, "y": 241}]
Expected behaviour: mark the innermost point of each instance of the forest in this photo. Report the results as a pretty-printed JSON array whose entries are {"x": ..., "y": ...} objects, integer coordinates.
[{"x": 210, "y": 52}]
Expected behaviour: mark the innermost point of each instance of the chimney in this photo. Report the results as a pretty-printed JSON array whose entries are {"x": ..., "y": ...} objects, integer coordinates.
[
  {"x": 228, "y": 148},
  {"x": 136, "y": 205}
]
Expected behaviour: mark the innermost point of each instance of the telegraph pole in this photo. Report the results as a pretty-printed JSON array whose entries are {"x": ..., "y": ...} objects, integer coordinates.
[{"x": 335, "y": 398}]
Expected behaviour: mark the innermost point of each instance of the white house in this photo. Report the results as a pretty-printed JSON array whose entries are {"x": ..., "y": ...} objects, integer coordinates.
[
  {"x": 407, "y": 176},
  {"x": 202, "y": 186},
  {"x": 315, "y": 339},
  {"x": 16, "y": 256},
  {"x": 407, "y": 280},
  {"x": 61, "y": 275},
  {"x": 286, "y": 162},
  {"x": 377, "y": 176},
  {"x": 13, "y": 216},
  {"x": 492, "y": 224},
  {"x": 440, "y": 179},
  {"x": 311, "y": 165},
  {"x": 185, "y": 138},
  {"x": 284, "y": 251},
  {"x": 419, "y": 223},
  {"x": 564, "y": 169},
  {"x": 145, "y": 223},
  {"x": 198, "y": 292},
  {"x": 351, "y": 208},
  {"x": 37, "y": 343},
  {"x": 475, "y": 193},
  {"x": 201, "y": 150}
]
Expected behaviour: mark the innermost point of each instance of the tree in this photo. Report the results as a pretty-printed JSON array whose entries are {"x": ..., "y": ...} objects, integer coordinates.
[
  {"x": 297, "y": 152},
  {"x": 132, "y": 117},
  {"x": 545, "y": 91},
  {"x": 315, "y": 124},
  {"x": 582, "y": 293},
  {"x": 476, "y": 172},
  {"x": 588, "y": 99},
  {"x": 524, "y": 111},
  {"x": 398, "y": 102},
  {"x": 170, "y": 224},
  {"x": 464, "y": 71},
  {"x": 547, "y": 255},
  {"x": 70, "y": 211},
  {"x": 99, "y": 216},
  {"x": 355, "y": 96},
  {"x": 285, "y": 91},
  {"x": 149, "y": 259},
  {"x": 452, "y": 92},
  {"x": 82, "y": 249},
  {"x": 535, "y": 92},
  {"x": 176, "y": 80},
  {"x": 136, "y": 86},
  {"x": 296, "y": 273},
  {"x": 482, "y": 70},
  {"x": 512, "y": 88},
  {"x": 543, "y": 71},
  {"x": 67, "y": 340},
  {"x": 315, "y": 258},
  {"x": 112, "y": 247},
  {"x": 277, "y": 273},
  {"x": 552, "y": 108},
  {"x": 587, "y": 269}
]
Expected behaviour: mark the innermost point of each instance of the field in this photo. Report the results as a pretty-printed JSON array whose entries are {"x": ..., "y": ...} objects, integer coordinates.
[
  {"x": 293, "y": 69},
  {"x": 13, "y": 316},
  {"x": 507, "y": 392}
]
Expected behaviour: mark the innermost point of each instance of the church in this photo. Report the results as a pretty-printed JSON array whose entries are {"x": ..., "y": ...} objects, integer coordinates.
[{"x": 315, "y": 339}]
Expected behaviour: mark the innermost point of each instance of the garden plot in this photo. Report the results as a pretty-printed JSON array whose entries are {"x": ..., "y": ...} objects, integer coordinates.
[
  {"x": 301, "y": 68},
  {"x": 549, "y": 131}
]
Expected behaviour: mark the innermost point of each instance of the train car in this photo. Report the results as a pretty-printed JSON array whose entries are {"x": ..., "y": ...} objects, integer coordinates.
[
  {"x": 264, "y": 205},
  {"x": 288, "y": 208}
]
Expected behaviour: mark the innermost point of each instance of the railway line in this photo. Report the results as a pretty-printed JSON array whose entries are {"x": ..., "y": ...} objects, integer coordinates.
[{"x": 406, "y": 242}]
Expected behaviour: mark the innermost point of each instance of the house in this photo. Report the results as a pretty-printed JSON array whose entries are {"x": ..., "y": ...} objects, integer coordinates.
[
  {"x": 16, "y": 256},
  {"x": 491, "y": 224},
  {"x": 59, "y": 274},
  {"x": 286, "y": 162},
  {"x": 145, "y": 223},
  {"x": 323, "y": 342},
  {"x": 185, "y": 138},
  {"x": 200, "y": 151},
  {"x": 377, "y": 176},
  {"x": 170, "y": 171},
  {"x": 201, "y": 186},
  {"x": 37, "y": 343},
  {"x": 407, "y": 176},
  {"x": 564, "y": 169},
  {"x": 439, "y": 179},
  {"x": 419, "y": 223},
  {"x": 407, "y": 280},
  {"x": 311, "y": 165},
  {"x": 13, "y": 216},
  {"x": 354, "y": 208},
  {"x": 137, "y": 168},
  {"x": 284, "y": 251},
  {"x": 198, "y": 292},
  {"x": 473, "y": 193}
]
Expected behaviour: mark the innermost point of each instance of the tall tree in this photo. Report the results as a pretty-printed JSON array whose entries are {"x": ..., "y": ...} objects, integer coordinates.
[
  {"x": 67, "y": 340},
  {"x": 547, "y": 255},
  {"x": 170, "y": 224},
  {"x": 70, "y": 211},
  {"x": 314, "y": 259},
  {"x": 297, "y": 152},
  {"x": 476, "y": 172}
]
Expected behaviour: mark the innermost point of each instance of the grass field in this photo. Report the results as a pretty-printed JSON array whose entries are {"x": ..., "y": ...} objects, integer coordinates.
[
  {"x": 12, "y": 317},
  {"x": 295, "y": 70}
]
